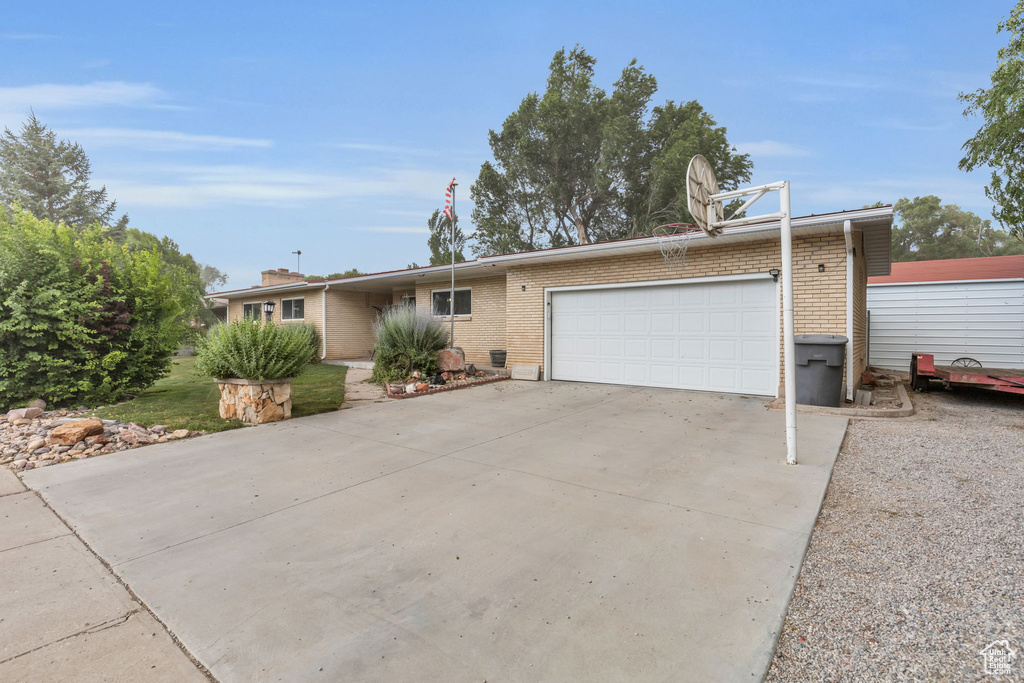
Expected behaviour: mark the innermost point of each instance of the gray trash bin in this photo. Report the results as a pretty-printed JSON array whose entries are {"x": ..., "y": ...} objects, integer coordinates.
[{"x": 819, "y": 369}]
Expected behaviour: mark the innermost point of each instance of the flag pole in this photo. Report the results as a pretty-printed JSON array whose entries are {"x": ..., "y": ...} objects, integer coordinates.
[{"x": 451, "y": 302}]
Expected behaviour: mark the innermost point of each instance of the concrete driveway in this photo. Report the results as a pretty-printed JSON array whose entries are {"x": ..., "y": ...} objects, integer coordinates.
[{"x": 517, "y": 531}]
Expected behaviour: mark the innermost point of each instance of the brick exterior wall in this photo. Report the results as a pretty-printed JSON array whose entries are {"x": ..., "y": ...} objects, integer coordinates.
[
  {"x": 269, "y": 278},
  {"x": 350, "y": 317},
  {"x": 311, "y": 307},
  {"x": 819, "y": 301},
  {"x": 484, "y": 330}
]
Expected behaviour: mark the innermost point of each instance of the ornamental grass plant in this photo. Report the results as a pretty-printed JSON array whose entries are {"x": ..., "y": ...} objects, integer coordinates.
[
  {"x": 405, "y": 339},
  {"x": 253, "y": 350}
]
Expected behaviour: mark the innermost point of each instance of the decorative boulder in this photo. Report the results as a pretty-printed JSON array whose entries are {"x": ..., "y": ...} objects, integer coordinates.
[
  {"x": 70, "y": 433},
  {"x": 255, "y": 402},
  {"x": 37, "y": 403},
  {"x": 16, "y": 414},
  {"x": 451, "y": 359},
  {"x": 422, "y": 386},
  {"x": 33, "y": 412}
]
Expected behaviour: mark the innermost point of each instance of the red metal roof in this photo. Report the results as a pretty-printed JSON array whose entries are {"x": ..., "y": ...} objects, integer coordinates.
[{"x": 983, "y": 268}]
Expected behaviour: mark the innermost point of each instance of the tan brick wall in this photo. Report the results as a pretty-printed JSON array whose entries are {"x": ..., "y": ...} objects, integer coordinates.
[
  {"x": 311, "y": 309},
  {"x": 820, "y": 304},
  {"x": 484, "y": 330},
  {"x": 269, "y": 278},
  {"x": 350, "y": 318}
]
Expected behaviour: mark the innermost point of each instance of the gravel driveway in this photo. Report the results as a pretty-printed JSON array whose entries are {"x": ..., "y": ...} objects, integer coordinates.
[{"x": 916, "y": 561}]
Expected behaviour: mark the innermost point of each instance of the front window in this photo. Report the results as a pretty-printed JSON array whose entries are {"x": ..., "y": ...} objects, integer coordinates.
[
  {"x": 293, "y": 309},
  {"x": 252, "y": 311},
  {"x": 441, "y": 301}
]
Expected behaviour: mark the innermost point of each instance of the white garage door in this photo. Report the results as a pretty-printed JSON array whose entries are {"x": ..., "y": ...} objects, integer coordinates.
[{"x": 717, "y": 336}]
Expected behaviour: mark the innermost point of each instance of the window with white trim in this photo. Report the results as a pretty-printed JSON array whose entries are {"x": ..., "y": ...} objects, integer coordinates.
[
  {"x": 252, "y": 310},
  {"x": 293, "y": 309},
  {"x": 440, "y": 301}
]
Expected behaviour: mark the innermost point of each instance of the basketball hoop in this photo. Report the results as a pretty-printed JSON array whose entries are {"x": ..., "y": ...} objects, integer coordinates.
[
  {"x": 701, "y": 187},
  {"x": 673, "y": 240}
]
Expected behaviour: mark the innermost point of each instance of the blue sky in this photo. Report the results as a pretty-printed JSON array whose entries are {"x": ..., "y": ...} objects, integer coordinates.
[{"x": 246, "y": 132}]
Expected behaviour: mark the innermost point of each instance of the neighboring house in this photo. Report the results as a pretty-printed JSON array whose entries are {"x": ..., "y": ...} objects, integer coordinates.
[
  {"x": 957, "y": 308},
  {"x": 617, "y": 312}
]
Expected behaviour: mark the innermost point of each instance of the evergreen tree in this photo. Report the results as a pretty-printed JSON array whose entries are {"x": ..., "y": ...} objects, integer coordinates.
[
  {"x": 440, "y": 240},
  {"x": 49, "y": 178}
]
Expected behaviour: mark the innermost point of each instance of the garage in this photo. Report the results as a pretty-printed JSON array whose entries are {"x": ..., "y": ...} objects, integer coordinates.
[{"x": 709, "y": 334}]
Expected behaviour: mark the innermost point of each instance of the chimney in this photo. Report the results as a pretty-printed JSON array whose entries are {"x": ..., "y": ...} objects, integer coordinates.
[{"x": 280, "y": 276}]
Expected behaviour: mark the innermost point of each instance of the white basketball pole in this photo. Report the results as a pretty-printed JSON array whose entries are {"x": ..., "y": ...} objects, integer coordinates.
[
  {"x": 788, "y": 343},
  {"x": 786, "y": 229}
]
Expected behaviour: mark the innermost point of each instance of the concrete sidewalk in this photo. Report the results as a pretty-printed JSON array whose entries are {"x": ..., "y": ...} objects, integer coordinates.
[
  {"x": 63, "y": 615},
  {"x": 515, "y": 531}
]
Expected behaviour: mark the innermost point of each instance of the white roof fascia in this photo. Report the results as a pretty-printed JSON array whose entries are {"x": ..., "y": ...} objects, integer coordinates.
[{"x": 774, "y": 226}]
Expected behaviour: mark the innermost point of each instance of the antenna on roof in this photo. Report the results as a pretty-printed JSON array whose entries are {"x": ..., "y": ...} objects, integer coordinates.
[{"x": 298, "y": 260}]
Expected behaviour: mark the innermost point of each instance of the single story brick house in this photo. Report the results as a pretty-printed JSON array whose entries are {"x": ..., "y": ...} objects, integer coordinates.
[{"x": 617, "y": 311}]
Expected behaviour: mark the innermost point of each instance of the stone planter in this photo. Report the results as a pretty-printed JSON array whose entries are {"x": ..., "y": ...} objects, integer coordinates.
[{"x": 255, "y": 402}]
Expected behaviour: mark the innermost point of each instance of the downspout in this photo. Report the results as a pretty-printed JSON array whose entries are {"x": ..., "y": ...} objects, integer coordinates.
[
  {"x": 323, "y": 321},
  {"x": 850, "y": 256}
]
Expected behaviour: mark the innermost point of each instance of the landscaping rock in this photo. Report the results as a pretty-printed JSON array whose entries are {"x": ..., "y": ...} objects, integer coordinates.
[
  {"x": 35, "y": 443},
  {"x": 158, "y": 429},
  {"x": 451, "y": 359},
  {"x": 37, "y": 403},
  {"x": 19, "y": 464},
  {"x": 133, "y": 437},
  {"x": 179, "y": 433},
  {"x": 73, "y": 432},
  {"x": 16, "y": 414},
  {"x": 22, "y": 422},
  {"x": 33, "y": 413}
]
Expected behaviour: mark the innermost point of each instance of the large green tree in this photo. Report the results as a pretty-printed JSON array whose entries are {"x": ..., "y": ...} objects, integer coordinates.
[
  {"x": 575, "y": 165},
  {"x": 926, "y": 229},
  {"x": 999, "y": 143},
  {"x": 440, "y": 240},
  {"x": 50, "y": 178}
]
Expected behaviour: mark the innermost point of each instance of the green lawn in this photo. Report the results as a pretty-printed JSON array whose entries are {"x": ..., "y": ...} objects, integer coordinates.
[{"x": 186, "y": 400}]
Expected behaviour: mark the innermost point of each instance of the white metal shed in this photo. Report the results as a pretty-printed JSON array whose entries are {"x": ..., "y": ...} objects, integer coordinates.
[{"x": 957, "y": 308}]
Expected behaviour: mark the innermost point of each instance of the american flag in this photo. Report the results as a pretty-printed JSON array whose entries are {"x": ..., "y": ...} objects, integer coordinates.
[{"x": 448, "y": 199}]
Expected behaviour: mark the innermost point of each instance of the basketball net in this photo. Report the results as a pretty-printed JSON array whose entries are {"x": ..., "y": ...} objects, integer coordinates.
[{"x": 673, "y": 241}]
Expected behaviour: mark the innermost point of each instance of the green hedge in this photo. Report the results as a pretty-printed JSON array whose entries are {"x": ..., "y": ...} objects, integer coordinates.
[{"x": 83, "y": 320}]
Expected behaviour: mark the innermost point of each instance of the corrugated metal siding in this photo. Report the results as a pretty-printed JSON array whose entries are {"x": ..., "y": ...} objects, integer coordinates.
[{"x": 982, "y": 320}]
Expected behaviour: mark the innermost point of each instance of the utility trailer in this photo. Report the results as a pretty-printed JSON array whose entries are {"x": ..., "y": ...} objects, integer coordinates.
[{"x": 963, "y": 372}]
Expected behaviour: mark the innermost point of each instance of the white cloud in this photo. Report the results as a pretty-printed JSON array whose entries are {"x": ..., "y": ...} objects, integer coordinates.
[
  {"x": 158, "y": 140},
  {"x": 96, "y": 94},
  {"x": 771, "y": 148},
  {"x": 397, "y": 230},
  {"x": 384, "y": 149},
  {"x": 964, "y": 191},
  {"x": 206, "y": 185}
]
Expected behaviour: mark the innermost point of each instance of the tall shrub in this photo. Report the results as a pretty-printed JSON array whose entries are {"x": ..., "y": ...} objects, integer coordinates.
[
  {"x": 249, "y": 349},
  {"x": 404, "y": 336},
  {"x": 82, "y": 320}
]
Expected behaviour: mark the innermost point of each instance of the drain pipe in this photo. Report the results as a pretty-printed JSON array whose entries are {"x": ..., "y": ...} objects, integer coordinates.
[
  {"x": 851, "y": 253},
  {"x": 323, "y": 321}
]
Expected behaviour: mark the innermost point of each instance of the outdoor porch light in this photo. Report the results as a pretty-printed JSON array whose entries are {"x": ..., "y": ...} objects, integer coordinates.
[
  {"x": 268, "y": 308},
  {"x": 774, "y": 272}
]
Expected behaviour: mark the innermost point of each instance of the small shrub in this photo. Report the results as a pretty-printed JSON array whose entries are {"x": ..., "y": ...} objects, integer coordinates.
[
  {"x": 403, "y": 337},
  {"x": 247, "y": 349}
]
